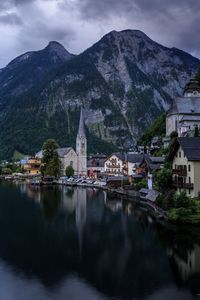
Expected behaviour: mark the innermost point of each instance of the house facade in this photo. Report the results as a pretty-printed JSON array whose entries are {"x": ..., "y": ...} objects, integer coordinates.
[
  {"x": 150, "y": 165},
  {"x": 185, "y": 155},
  {"x": 122, "y": 164},
  {"x": 184, "y": 114},
  {"x": 32, "y": 166},
  {"x": 114, "y": 164},
  {"x": 95, "y": 165}
]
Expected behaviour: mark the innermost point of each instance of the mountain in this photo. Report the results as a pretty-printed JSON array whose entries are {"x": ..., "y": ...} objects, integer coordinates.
[
  {"x": 29, "y": 69},
  {"x": 124, "y": 82}
]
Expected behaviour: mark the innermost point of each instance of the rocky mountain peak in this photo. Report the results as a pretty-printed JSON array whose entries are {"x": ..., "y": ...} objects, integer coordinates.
[{"x": 58, "y": 49}]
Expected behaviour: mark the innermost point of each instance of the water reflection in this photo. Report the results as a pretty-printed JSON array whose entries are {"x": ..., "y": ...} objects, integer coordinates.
[{"x": 65, "y": 243}]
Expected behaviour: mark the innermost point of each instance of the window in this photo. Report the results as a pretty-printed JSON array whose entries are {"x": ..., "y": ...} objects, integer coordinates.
[
  {"x": 180, "y": 154},
  {"x": 189, "y": 168},
  {"x": 189, "y": 180},
  {"x": 71, "y": 163}
]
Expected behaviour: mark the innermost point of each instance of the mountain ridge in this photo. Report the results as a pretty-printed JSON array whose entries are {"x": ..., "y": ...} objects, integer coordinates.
[{"x": 124, "y": 81}]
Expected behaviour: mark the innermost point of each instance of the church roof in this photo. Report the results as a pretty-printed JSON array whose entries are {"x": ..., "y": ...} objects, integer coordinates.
[
  {"x": 63, "y": 151},
  {"x": 192, "y": 86},
  {"x": 185, "y": 105},
  {"x": 190, "y": 118},
  {"x": 81, "y": 129}
]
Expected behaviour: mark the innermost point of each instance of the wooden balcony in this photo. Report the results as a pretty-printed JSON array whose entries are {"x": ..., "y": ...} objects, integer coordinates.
[
  {"x": 180, "y": 172},
  {"x": 183, "y": 185}
]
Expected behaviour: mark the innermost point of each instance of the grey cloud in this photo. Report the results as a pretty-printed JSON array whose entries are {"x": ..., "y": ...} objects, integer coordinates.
[
  {"x": 174, "y": 22},
  {"x": 10, "y": 19}
]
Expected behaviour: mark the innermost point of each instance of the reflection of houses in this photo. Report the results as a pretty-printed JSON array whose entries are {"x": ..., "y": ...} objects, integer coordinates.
[
  {"x": 184, "y": 114},
  {"x": 125, "y": 164},
  {"x": 95, "y": 165},
  {"x": 32, "y": 166},
  {"x": 185, "y": 154}
]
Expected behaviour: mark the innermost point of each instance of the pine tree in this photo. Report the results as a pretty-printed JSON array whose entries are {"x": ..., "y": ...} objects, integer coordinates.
[{"x": 51, "y": 161}]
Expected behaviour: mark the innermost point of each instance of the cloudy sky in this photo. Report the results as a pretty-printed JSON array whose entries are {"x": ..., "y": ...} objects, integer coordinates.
[{"x": 77, "y": 24}]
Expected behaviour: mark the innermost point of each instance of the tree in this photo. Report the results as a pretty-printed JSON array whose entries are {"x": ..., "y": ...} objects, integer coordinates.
[
  {"x": 174, "y": 134},
  {"x": 69, "y": 171},
  {"x": 196, "y": 131},
  {"x": 182, "y": 200},
  {"x": 198, "y": 75},
  {"x": 163, "y": 178},
  {"x": 6, "y": 171},
  {"x": 51, "y": 162},
  {"x": 140, "y": 185}
]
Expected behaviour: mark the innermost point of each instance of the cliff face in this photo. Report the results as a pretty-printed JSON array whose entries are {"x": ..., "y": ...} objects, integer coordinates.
[{"x": 124, "y": 81}]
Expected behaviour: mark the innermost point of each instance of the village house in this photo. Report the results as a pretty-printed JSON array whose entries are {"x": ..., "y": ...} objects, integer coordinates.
[
  {"x": 122, "y": 163},
  {"x": 185, "y": 155},
  {"x": 149, "y": 165},
  {"x": 95, "y": 165},
  {"x": 184, "y": 114},
  {"x": 32, "y": 166}
]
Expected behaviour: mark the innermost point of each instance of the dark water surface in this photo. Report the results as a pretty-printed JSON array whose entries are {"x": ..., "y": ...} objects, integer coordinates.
[{"x": 78, "y": 244}]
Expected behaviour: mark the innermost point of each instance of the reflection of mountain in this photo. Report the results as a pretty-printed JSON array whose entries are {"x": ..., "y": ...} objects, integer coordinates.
[{"x": 120, "y": 257}]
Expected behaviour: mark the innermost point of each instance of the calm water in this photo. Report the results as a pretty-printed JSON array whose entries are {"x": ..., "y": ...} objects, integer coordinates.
[{"x": 78, "y": 244}]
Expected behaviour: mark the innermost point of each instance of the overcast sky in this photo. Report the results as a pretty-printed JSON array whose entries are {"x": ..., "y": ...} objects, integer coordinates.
[{"x": 30, "y": 24}]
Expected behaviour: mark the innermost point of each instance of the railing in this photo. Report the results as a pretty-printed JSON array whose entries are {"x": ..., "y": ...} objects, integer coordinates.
[
  {"x": 183, "y": 185},
  {"x": 180, "y": 172}
]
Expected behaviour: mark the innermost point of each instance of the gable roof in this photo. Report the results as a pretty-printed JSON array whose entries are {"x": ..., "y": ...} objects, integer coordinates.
[
  {"x": 190, "y": 146},
  {"x": 63, "y": 151},
  {"x": 130, "y": 157},
  {"x": 134, "y": 158},
  {"x": 96, "y": 163},
  {"x": 193, "y": 118},
  {"x": 185, "y": 105}
]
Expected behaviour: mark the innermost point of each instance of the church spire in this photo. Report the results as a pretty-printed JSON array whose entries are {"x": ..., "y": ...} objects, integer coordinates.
[{"x": 81, "y": 130}]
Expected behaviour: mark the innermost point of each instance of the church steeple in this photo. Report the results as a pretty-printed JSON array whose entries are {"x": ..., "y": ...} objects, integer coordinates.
[
  {"x": 81, "y": 129},
  {"x": 81, "y": 147}
]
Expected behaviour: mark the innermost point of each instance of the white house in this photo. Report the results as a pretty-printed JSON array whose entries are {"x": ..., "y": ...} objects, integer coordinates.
[
  {"x": 184, "y": 114},
  {"x": 185, "y": 155},
  {"x": 126, "y": 163}
]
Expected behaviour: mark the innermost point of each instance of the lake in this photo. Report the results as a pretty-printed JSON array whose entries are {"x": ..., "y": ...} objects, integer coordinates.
[{"x": 81, "y": 244}]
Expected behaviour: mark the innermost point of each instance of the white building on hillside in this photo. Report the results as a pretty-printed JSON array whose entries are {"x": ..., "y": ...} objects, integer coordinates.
[{"x": 184, "y": 114}]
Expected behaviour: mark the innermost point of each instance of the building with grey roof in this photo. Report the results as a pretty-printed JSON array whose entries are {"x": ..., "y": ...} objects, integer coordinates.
[
  {"x": 185, "y": 156},
  {"x": 184, "y": 114}
]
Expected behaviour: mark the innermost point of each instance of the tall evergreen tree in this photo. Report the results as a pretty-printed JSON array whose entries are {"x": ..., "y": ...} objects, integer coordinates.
[{"x": 51, "y": 161}]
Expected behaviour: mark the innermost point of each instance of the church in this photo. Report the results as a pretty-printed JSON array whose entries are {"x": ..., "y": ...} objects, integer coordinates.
[
  {"x": 184, "y": 114},
  {"x": 69, "y": 157},
  {"x": 77, "y": 159}
]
